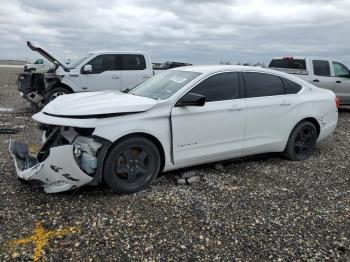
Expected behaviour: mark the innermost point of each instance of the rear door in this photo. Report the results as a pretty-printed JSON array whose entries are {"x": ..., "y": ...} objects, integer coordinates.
[
  {"x": 135, "y": 70},
  {"x": 341, "y": 82},
  {"x": 212, "y": 131},
  {"x": 105, "y": 75},
  {"x": 271, "y": 111},
  {"x": 322, "y": 74}
]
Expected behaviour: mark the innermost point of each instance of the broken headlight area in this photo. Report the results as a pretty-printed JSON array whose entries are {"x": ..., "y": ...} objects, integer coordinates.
[{"x": 66, "y": 160}]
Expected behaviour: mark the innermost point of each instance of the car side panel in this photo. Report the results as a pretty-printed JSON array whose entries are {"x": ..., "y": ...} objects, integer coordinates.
[
  {"x": 320, "y": 105},
  {"x": 269, "y": 120},
  {"x": 153, "y": 122}
]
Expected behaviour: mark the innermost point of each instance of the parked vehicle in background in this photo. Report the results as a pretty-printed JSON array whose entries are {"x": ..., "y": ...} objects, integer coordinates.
[
  {"x": 94, "y": 71},
  {"x": 39, "y": 64},
  {"x": 160, "y": 67},
  {"x": 168, "y": 65},
  {"x": 127, "y": 138},
  {"x": 321, "y": 72}
]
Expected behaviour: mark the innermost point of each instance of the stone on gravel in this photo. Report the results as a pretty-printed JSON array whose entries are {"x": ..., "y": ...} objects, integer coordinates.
[
  {"x": 181, "y": 181},
  {"x": 188, "y": 174},
  {"x": 194, "y": 179},
  {"x": 219, "y": 167}
]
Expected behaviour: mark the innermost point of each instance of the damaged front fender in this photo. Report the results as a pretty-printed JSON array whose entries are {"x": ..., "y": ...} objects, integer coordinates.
[{"x": 58, "y": 172}]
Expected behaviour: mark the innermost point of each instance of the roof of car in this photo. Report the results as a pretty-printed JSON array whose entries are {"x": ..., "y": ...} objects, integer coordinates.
[
  {"x": 208, "y": 69},
  {"x": 116, "y": 52}
]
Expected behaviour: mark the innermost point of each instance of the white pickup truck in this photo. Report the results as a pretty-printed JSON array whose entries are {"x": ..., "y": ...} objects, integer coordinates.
[
  {"x": 321, "y": 72},
  {"x": 95, "y": 71},
  {"x": 39, "y": 64}
]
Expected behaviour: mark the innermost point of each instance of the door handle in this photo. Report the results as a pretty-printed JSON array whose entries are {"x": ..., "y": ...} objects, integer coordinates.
[
  {"x": 338, "y": 81},
  {"x": 115, "y": 77},
  {"x": 316, "y": 80},
  {"x": 285, "y": 103},
  {"x": 236, "y": 108},
  {"x": 146, "y": 77}
]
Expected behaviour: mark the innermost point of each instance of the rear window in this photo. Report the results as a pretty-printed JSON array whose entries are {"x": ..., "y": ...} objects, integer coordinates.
[
  {"x": 291, "y": 87},
  {"x": 134, "y": 62},
  {"x": 260, "y": 84},
  {"x": 288, "y": 63}
]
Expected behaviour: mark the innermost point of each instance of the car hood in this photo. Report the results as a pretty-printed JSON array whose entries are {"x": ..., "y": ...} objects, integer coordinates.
[
  {"x": 45, "y": 53},
  {"x": 97, "y": 104}
]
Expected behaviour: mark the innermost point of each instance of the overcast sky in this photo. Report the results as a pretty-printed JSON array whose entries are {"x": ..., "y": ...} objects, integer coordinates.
[{"x": 197, "y": 31}]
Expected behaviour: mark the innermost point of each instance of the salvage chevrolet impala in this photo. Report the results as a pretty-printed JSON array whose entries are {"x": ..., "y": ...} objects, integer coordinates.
[{"x": 182, "y": 117}]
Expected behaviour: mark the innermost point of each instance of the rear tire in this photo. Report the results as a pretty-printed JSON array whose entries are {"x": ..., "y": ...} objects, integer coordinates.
[
  {"x": 302, "y": 142},
  {"x": 55, "y": 92},
  {"x": 131, "y": 165}
]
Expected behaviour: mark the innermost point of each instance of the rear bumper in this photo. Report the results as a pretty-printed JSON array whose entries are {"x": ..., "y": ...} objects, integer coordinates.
[{"x": 57, "y": 173}]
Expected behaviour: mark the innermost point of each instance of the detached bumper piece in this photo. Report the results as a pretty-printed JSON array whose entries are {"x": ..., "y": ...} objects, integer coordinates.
[{"x": 57, "y": 173}]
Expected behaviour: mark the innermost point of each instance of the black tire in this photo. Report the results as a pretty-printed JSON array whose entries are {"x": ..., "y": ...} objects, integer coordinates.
[
  {"x": 302, "y": 141},
  {"x": 131, "y": 165},
  {"x": 55, "y": 92}
]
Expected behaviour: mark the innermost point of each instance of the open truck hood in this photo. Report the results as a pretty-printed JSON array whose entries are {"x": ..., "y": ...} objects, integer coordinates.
[
  {"x": 97, "y": 105},
  {"x": 35, "y": 47}
]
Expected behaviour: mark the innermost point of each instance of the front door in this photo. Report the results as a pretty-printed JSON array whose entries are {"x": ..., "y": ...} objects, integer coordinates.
[
  {"x": 105, "y": 75},
  {"x": 341, "y": 82},
  {"x": 212, "y": 131}
]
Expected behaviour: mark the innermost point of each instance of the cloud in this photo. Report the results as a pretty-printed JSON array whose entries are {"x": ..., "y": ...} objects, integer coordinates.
[{"x": 196, "y": 31}]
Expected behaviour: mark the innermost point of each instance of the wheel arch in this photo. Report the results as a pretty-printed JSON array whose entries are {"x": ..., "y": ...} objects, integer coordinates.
[
  {"x": 60, "y": 84},
  {"x": 313, "y": 121},
  {"x": 306, "y": 119},
  {"x": 148, "y": 136}
]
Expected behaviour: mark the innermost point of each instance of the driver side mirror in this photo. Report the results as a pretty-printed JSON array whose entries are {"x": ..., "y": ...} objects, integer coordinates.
[
  {"x": 87, "y": 69},
  {"x": 191, "y": 99}
]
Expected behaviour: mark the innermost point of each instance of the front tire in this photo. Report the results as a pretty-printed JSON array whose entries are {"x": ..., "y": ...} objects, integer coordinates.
[
  {"x": 56, "y": 92},
  {"x": 131, "y": 165},
  {"x": 302, "y": 142}
]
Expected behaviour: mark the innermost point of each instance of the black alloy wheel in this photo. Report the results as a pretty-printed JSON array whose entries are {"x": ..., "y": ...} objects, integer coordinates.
[
  {"x": 131, "y": 165},
  {"x": 302, "y": 141}
]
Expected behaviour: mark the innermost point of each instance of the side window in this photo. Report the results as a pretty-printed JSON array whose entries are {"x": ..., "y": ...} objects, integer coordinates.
[
  {"x": 223, "y": 86},
  {"x": 340, "y": 70},
  {"x": 39, "y": 61},
  {"x": 103, "y": 63},
  {"x": 134, "y": 62},
  {"x": 291, "y": 87},
  {"x": 321, "y": 68},
  {"x": 260, "y": 84}
]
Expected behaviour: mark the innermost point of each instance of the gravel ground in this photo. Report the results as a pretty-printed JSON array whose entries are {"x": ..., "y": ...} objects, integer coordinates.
[{"x": 253, "y": 208}]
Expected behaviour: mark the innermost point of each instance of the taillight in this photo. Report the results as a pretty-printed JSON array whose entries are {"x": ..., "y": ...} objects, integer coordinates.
[{"x": 337, "y": 101}]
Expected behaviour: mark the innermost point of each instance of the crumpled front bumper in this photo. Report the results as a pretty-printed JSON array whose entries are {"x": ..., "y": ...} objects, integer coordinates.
[{"x": 58, "y": 172}]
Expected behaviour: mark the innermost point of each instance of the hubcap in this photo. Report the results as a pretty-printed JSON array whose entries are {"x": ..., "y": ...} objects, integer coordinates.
[
  {"x": 304, "y": 142},
  {"x": 132, "y": 164}
]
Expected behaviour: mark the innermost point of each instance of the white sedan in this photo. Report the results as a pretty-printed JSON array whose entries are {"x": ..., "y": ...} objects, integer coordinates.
[{"x": 179, "y": 118}]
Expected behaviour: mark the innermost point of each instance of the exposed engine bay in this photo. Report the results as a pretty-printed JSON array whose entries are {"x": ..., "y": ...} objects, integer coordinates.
[{"x": 33, "y": 86}]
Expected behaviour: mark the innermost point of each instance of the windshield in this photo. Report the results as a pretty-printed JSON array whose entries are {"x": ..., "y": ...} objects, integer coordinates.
[
  {"x": 78, "y": 61},
  {"x": 164, "y": 85}
]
